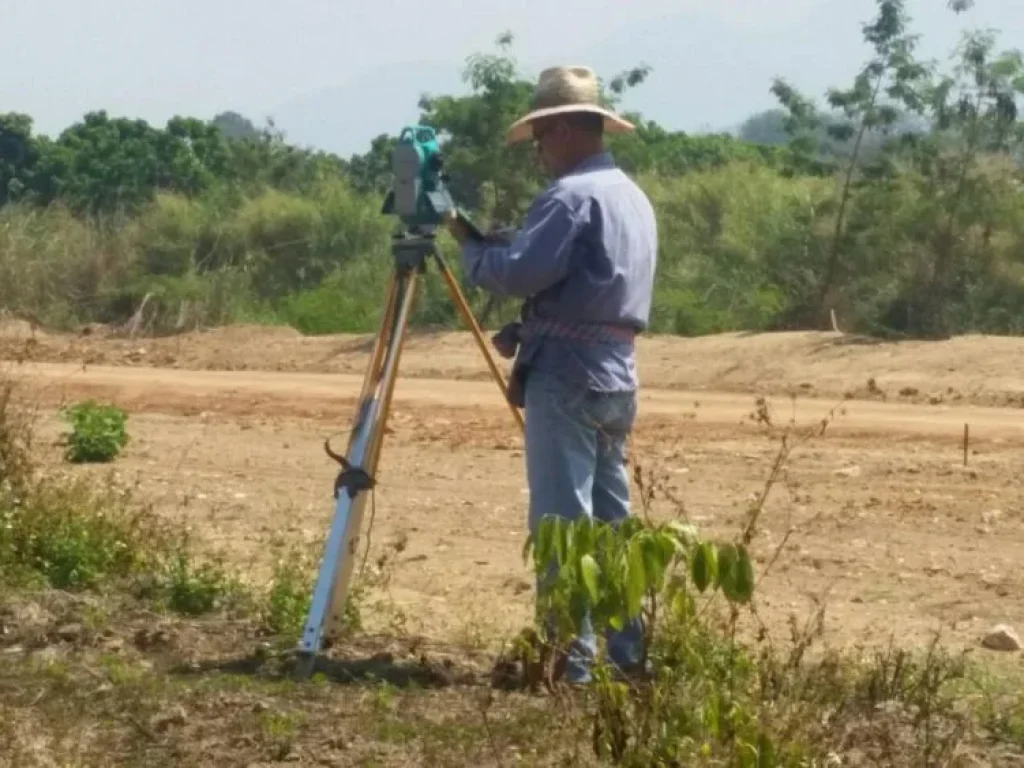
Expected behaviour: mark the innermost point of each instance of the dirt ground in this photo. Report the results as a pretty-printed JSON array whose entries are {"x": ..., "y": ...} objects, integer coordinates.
[{"x": 879, "y": 512}]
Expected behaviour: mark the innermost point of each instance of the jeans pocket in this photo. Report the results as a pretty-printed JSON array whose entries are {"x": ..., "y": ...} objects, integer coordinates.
[
  {"x": 614, "y": 412},
  {"x": 567, "y": 397}
]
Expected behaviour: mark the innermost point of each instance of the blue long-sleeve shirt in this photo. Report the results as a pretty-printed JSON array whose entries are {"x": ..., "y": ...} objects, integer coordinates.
[{"x": 585, "y": 255}]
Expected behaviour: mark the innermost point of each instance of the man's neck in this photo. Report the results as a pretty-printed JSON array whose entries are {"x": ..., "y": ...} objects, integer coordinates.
[{"x": 584, "y": 155}]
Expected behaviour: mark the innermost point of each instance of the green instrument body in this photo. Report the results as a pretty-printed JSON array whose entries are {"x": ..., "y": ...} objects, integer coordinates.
[{"x": 420, "y": 196}]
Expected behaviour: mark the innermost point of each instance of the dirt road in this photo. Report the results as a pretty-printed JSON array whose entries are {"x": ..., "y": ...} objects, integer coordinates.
[
  {"x": 163, "y": 389},
  {"x": 880, "y": 509}
]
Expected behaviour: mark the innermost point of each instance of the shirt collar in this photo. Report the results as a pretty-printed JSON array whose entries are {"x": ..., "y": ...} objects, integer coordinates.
[{"x": 594, "y": 162}]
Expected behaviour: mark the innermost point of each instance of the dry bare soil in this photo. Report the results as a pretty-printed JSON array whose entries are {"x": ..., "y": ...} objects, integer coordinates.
[{"x": 883, "y": 515}]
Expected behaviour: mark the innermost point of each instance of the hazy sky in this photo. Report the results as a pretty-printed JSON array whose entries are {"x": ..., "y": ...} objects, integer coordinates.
[{"x": 336, "y": 72}]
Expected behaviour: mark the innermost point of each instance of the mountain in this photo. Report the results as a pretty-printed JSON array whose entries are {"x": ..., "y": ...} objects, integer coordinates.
[{"x": 344, "y": 119}]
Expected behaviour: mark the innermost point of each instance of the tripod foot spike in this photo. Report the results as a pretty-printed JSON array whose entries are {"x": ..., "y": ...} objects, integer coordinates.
[{"x": 305, "y": 666}]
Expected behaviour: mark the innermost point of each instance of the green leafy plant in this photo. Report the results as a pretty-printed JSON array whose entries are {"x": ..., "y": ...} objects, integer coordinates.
[
  {"x": 621, "y": 573},
  {"x": 288, "y": 598},
  {"x": 657, "y": 574},
  {"x": 98, "y": 432},
  {"x": 193, "y": 588},
  {"x": 68, "y": 537}
]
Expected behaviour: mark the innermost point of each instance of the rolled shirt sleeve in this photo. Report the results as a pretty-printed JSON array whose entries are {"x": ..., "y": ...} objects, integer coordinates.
[{"x": 539, "y": 256}]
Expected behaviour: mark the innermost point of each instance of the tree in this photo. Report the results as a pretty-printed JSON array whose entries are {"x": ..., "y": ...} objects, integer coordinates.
[
  {"x": 193, "y": 156},
  {"x": 19, "y": 156},
  {"x": 968, "y": 170},
  {"x": 371, "y": 172},
  {"x": 108, "y": 163},
  {"x": 891, "y": 82},
  {"x": 496, "y": 181},
  {"x": 487, "y": 176},
  {"x": 234, "y": 126},
  {"x": 103, "y": 164},
  {"x": 767, "y": 127},
  {"x": 652, "y": 149},
  {"x": 268, "y": 160}
]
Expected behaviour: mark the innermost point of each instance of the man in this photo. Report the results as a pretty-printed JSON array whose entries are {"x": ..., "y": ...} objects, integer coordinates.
[{"x": 585, "y": 261}]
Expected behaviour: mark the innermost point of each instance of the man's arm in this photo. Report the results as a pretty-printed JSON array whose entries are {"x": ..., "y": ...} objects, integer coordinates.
[{"x": 539, "y": 256}]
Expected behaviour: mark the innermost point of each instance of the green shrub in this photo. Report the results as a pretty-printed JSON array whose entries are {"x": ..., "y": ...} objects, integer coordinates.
[
  {"x": 289, "y": 596},
  {"x": 61, "y": 270},
  {"x": 98, "y": 432},
  {"x": 194, "y": 588},
  {"x": 744, "y": 245},
  {"x": 350, "y": 300},
  {"x": 713, "y": 690},
  {"x": 657, "y": 574},
  {"x": 68, "y": 536}
]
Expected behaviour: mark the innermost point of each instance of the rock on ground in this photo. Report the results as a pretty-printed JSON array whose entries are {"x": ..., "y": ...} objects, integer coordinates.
[{"x": 1002, "y": 638}]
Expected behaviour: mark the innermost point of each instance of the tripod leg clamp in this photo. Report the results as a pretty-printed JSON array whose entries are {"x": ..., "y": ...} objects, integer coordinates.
[{"x": 352, "y": 479}]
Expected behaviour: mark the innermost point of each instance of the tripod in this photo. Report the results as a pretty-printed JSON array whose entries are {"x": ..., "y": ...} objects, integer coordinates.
[{"x": 410, "y": 253}]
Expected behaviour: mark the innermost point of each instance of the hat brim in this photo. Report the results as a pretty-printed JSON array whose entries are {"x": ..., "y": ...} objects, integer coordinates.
[{"x": 522, "y": 129}]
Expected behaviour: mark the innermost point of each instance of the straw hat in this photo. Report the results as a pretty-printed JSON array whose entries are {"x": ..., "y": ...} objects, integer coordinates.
[{"x": 561, "y": 90}]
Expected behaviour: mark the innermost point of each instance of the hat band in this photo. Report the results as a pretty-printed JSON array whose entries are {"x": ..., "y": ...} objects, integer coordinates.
[{"x": 551, "y": 100}]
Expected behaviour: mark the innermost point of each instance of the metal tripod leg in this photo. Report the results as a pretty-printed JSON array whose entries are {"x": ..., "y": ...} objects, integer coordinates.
[{"x": 332, "y": 586}]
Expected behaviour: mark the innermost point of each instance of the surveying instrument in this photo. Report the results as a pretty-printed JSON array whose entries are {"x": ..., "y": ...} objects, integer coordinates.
[{"x": 421, "y": 201}]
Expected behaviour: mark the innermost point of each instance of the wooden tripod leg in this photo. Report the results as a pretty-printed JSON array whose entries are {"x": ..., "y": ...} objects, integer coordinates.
[
  {"x": 391, "y": 373},
  {"x": 478, "y": 334},
  {"x": 380, "y": 346},
  {"x": 380, "y": 343}
]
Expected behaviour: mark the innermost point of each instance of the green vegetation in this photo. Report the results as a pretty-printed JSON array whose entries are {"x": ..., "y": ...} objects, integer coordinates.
[
  {"x": 98, "y": 432},
  {"x": 896, "y": 206},
  {"x": 68, "y": 532}
]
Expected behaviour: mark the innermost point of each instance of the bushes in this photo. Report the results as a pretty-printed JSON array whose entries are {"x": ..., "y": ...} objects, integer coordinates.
[
  {"x": 270, "y": 254},
  {"x": 746, "y": 248},
  {"x": 740, "y": 248},
  {"x": 59, "y": 269},
  {"x": 212, "y": 260},
  {"x": 285, "y": 241},
  {"x": 97, "y": 432},
  {"x": 350, "y": 299},
  {"x": 918, "y": 232},
  {"x": 954, "y": 260},
  {"x": 743, "y": 247},
  {"x": 68, "y": 536}
]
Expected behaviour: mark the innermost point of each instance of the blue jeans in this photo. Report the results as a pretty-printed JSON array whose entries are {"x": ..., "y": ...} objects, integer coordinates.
[{"x": 575, "y": 449}]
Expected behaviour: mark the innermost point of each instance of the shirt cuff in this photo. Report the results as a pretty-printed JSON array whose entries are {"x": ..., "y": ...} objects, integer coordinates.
[{"x": 472, "y": 252}]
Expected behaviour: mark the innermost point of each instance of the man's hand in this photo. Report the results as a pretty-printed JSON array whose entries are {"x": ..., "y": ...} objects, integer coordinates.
[
  {"x": 456, "y": 227},
  {"x": 506, "y": 341}
]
